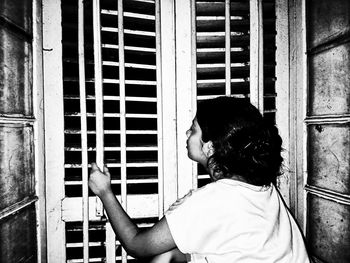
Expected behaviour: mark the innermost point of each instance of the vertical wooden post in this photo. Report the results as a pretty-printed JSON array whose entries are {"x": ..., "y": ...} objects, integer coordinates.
[
  {"x": 185, "y": 92},
  {"x": 98, "y": 83},
  {"x": 283, "y": 90},
  {"x": 39, "y": 138},
  {"x": 297, "y": 113},
  {"x": 167, "y": 82},
  {"x": 159, "y": 112},
  {"x": 83, "y": 121},
  {"x": 194, "y": 79},
  {"x": 54, "y": 134},
  {"x": 123, "y": 180},
  {"x": 256, "y": 55},
  {"x": 110, "y": 239},
  {"x": 227, "y": 47}
]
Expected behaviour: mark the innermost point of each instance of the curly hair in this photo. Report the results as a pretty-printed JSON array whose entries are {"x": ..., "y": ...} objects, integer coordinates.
[{"x": 244, "y": 143}]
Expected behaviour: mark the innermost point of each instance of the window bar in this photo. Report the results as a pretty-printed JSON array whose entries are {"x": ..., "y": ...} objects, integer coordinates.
[
  {"x": 194, "y": 79},
  {"x": 183, "y": 34},
  {"x": 159, "y": 114},
  {"x": 227, "y": 48},
  {"x": 123, "y": 179},
  {"x": 282, "y": 89},
  {"x": 261, "y": 57},
  {"x": 110, "y": 239},
  {"x": 256, "y": 55},
  {"x": 83, "y": 121},
  {"x": 98, "y": 93},
  {"x": 39, "y": 130}
]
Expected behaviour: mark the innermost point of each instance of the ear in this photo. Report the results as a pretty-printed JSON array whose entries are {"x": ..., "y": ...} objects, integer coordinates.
[{"x": 208, "y": 148}]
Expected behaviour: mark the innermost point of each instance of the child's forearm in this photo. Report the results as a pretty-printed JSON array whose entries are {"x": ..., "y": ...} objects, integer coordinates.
[
  {"x": 138, "y": 243},
  {"x": 145, "y": 243},
  {"x": 121, "y": 223}
]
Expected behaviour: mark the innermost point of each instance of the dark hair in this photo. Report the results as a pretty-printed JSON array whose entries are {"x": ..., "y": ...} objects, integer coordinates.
[{"x": 244, "y": 143}]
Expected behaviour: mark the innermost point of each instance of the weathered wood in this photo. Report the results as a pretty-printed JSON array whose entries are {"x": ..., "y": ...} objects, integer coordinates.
[
  {"x": 54, "y": 135},
  {"x": 329, "y": 154},
  {"x": 327, "y": 21},
  {"x": 18, "y": 237},
  {"x": 16, "y": 164},
  {"x": 139, "y": 206},
  {"x": 328, "y": 229},
  {"x": 16, "y": 75},
  {"x": 297, "y": 107},
  {"x": 283, "y": 90},
  {"x": 39, "y": 137},
  {"x": 185, "y": 92},
  {"x": 18, "y": 12},
  {"x": 168, "y": 100},
  {"x": 83, "y": 123},
  {"x": 328, "y": 205},
  {"x": 329, "y": 81}
]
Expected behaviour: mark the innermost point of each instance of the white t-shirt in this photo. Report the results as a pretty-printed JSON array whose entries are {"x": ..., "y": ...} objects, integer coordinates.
[{"x": 230, "y": 221}]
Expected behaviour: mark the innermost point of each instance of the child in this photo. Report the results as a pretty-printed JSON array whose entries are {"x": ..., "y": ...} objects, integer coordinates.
[{"x": 239, "y": 217}]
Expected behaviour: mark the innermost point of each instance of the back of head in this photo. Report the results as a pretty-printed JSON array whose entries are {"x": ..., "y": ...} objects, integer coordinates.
[{"x": 244, "y": 144}]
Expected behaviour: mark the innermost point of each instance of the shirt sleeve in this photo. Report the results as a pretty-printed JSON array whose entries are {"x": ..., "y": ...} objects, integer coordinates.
[{"x": 187, "y": 222}]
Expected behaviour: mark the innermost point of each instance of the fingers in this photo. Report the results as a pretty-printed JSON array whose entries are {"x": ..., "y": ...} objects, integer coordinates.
[
  {"x": 94, "y": 167},
  {"x": 106, "y": 171}
]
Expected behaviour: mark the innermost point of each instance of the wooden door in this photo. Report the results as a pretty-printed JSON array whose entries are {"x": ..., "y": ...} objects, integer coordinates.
[
  {"x": 328, "y": 130},
  {"x": 22, "y": 218}
]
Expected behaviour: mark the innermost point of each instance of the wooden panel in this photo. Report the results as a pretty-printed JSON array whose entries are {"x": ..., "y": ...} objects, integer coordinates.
[
  {"x": 139, "y": 206},
  {"x": 328, "y": 210},
  {"x": 329, "y": 81},
  {"x": 15, "y": 74},
  {"x": 16, "y": 164},
  {"x": 329, "y": 230},
  {"x": 327, "y": 20},
  {"x": 329, "y": 153},
  {"x": 18, "y": 12},
  {"x": 18, "y": 237}
]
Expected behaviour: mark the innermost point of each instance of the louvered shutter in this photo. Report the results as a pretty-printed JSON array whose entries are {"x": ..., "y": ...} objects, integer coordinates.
[
  {"x": 227, "y": 52},
  {"x": 109, "y": 57},
  {"x": 117, "y": 86}
]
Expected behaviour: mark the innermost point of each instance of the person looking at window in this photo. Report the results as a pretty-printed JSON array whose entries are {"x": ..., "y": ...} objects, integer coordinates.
[{"x": 239, "y": 217}]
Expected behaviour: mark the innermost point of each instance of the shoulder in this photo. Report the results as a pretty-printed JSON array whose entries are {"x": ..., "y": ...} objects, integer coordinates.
[
  {"x": 207, "y": 193},
  {"x": 195, "y": 199}
]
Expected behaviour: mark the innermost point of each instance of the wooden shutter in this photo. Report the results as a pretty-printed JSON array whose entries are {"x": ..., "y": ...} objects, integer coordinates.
[
  {"x": 235, "y": 53},
  {"x": 328, "y": 130},
  {"x": 124, "y": 94},
  {"x": 21, "y": 214},
  {"x": 109, "y": 110}
]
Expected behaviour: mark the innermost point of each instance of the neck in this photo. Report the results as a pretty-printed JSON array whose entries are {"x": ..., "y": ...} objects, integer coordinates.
[{"x": 217, "y": 176}]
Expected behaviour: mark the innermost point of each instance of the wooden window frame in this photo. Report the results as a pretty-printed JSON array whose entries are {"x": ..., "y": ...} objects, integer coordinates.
[
  {"x": 39, "y": 134},
  {"x": 297, "y": 111},
  {"x": 180, "y": 80}
]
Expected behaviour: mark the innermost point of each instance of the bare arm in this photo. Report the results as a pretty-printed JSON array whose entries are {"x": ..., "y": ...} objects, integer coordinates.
[
  {"x": 172, "y": 256},
  {"x": 138, "y": 243}
]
